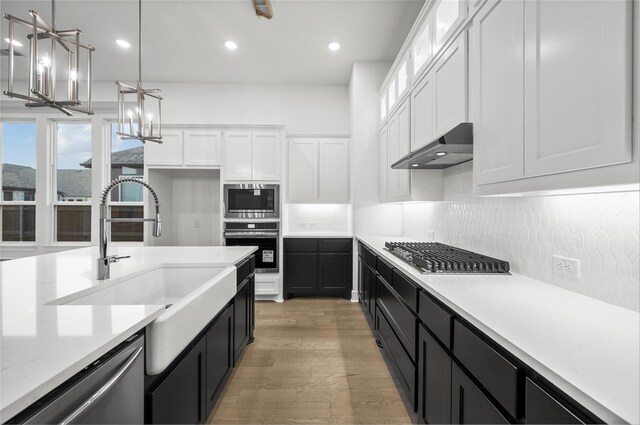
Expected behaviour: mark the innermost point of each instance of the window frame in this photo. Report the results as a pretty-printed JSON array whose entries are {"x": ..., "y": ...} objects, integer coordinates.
[
  {"x": 24, "y": 120},
  {"x": 53, "y": 183}
]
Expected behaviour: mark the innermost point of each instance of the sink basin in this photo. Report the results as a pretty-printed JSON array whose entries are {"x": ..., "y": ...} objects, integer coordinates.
[
  {"x": 162, "y": 285},
  {"x": 193, "y": 295}
]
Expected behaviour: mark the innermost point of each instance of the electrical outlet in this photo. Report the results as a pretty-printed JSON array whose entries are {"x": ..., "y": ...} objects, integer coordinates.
[
  {"x": 565, "y": 266},
  {"x": 196, "y": 223},
  {"x": 430, "y": 235}
]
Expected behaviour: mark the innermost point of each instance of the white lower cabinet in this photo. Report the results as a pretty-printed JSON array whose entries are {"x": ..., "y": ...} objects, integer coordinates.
[
  {"x": 252, "y": 155},
  {"x": 318, "y": 170},
  {"x": 551, "y": 102},
  {"x": 267, "y": 284}
]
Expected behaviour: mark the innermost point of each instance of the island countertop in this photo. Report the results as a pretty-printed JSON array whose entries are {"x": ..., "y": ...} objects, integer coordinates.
[
  {"x": 586, "y": 347},
  {"x": 43, "y": 345}
]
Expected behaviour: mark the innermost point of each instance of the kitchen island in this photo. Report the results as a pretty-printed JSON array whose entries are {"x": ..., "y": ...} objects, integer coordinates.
[{"x": 45, "y": 344}]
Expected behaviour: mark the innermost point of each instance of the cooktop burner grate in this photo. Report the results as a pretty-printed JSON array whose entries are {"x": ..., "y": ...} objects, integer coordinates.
[{"x": 434, "y": 257}]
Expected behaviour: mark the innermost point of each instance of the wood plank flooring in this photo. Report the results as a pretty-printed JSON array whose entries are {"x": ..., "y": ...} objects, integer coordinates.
[{"x": 313, "y": 361}]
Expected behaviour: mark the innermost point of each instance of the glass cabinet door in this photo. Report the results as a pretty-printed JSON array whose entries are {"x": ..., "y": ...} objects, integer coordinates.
[
  {"x": 391, "y": 93},
  {"x": 422, "y": 47},
  {"x": 402, "y": 78},
  {"x": 447, "y": 15},
  {"x": 383, "y": 107}
]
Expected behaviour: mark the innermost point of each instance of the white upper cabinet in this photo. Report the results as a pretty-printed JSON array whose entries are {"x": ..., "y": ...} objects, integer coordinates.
[
  {"x": 391, "y": 94},
  {"x": 577, "y": 85},
  {"x": 402, "y": 78},
  {"x": 202, "y": 147},
  {"x": 333, "y": 170},
  {"x": 252, "y": 155},
  {"x": 399, "y": 144},
  {"x": 447, "y": 17},
  {"x": 318, "y": 170},
  {"x": 265, "y": 155},
  {"x": 303, "y": 170},
  {"x": 237, "y": 155},
  {"x": 497, "y": 81},
  {"x": 384, "y": 163},
  {"x": 423, "y": 112},
  {"x": 383, "y": 107},
  {"x": 169, "y": 152}
]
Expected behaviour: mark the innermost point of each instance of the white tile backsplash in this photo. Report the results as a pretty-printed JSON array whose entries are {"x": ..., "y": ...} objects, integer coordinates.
[{"x": 601, "y": 230}]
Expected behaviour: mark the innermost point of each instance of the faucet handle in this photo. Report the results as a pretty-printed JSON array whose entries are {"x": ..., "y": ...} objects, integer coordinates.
[{"x": 116, "y": 258}]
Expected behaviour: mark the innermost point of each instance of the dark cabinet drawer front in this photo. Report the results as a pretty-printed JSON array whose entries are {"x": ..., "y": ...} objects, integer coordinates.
[
  {"x": 434, "y": 380},
  {"x": 497, "y": 374},
  {"x": 368, "y": 255},
  {"x": 300, "y": 245},
  {"x": 244, "y": 269},
  {"x": 468, "y": 404},
  {"x": 542, "y": 408},
  {"x": 399, "y": 357},
  {"x": 406, "y": 289},
  {"x": 335, "y": 245},
  {"x": 385, "y": 270},
  {"x": 403, "y": 321},
  {"x": 436, "y": 319}
]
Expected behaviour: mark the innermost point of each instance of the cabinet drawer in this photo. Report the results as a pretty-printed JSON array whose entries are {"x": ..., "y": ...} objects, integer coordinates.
[
  {"x": 335, "y": 245},
  {"x": 436, "y": 319},
  {"x": 405, "y": 367},
  {"x": 245, "y": 268},
  {"x": 468, "y": 404},
  {"x": 542, "y": 408},
  {"x": 368, "y": 256},
  {"x": 406, "y": 289},
  {"x": 385, "y": 270},
  {"x": 400, "y": 317},
  {"x": 300, "y": 245},
  {"x": 497, "y": 374}
]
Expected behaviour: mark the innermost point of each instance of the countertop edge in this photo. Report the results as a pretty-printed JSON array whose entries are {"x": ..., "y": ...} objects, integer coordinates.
[{"x": 570, "y": 389}]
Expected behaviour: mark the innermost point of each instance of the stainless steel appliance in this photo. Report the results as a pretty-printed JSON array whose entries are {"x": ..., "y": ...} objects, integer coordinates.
[
  {"x": 264, "y": 235},
  {"x": 434, "y": 257},
  {"x": 452, "y": 148},
  {"x": 251, "y": 201}
]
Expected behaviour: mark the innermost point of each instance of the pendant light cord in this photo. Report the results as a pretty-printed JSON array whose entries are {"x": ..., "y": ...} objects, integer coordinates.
[
  {"x": 140, "y": 41},
  {"x": 53, "y": 15}
]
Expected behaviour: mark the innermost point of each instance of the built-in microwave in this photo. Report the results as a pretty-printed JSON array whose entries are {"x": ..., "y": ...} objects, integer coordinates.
[{"x": 251, "y": 201}]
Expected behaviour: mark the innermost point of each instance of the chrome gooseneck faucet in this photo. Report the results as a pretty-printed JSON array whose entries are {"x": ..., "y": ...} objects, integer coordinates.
[{"x": 104, "y": 262}]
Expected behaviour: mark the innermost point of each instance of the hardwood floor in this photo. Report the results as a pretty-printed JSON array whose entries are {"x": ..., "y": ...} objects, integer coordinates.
[{"x": 313, "y": 361}]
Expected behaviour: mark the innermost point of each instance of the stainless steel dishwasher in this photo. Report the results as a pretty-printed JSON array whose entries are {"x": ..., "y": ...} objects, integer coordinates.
[{"x": 110, "y": 390}]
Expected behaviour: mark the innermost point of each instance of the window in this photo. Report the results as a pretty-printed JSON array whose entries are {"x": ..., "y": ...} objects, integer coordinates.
[
  {"x": 127, "y": 160},
  {"x": 17, "y": 200},
  {"x": 72, "y": 182}
]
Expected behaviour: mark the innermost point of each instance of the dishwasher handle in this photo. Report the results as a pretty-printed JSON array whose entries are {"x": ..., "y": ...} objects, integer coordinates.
[{"x": 104, "y": 389}]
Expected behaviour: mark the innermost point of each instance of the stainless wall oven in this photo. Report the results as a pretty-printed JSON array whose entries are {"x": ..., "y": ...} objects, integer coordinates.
[
  {"x": 251, "y": 201},
  {"x": 264, "y": 235}
]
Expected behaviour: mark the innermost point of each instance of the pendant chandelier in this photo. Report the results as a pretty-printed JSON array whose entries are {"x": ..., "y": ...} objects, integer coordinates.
[
  {"x": 135, "y": 117},
  {"x": 54, "y": 58}
]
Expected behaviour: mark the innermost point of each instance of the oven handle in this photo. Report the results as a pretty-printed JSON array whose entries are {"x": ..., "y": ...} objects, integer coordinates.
[{"x": 246, "y": 235}]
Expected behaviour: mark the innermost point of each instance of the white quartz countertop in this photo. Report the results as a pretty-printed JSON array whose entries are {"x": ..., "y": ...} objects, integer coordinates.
[
  {"x": 319, "y": 235},
  {"x": 587, "y": 348},
  {"x": 44, "y": 345}
]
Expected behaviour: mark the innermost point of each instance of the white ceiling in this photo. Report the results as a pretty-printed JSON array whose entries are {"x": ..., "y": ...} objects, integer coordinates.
[{"x": 184, "y": 40}]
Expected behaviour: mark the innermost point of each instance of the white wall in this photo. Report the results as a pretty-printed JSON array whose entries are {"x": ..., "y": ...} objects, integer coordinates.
[
  {"x": 601, "y": 230},
  {"x": 369, "y": 216}
]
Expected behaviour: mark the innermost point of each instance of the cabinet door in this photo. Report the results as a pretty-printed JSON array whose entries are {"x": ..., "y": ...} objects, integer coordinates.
[
  {"x": 450, "y": 75},
  {"x": 237, "y": 155},
  {"x": 202, "y": 147},
  {"x": 180, "y": 398},
  {"x": 392, "y": 156},
  {"x": 434, "y": 381},
  {"x": 300, "y": 272},
  {"x": 404, "y": 146},
  {"x": 423, "y": 112},
  {"x": 447, "y": 15},
  {"x": 542, "y": 408},
  {"x": 468, "y": 404},
  {"x": 384, "y": 163},
  {"x": 303, "y": 170},
  {"x": 498, "y": 91},
  {"x": 219, "y": 355},
  {"x": 335, "y": 272},
  {"x": 578, "y": 85},
  {"x": 169, "y": 152},
  {"x": 265, "y": 155},
  {"x": 241, "y": 319},
  {"x": 333, "y": 170}
]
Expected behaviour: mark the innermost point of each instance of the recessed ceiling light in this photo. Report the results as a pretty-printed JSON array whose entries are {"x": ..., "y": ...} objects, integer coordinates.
[
  {"x": 441, "y": 153},
  {"x": 415, "y": 165},
  {"x": 123, "y": 43},
  {"x": 334, "y": 45},
  {"x": 231, "y": 45},
  {"x": 15, "y": 42}
]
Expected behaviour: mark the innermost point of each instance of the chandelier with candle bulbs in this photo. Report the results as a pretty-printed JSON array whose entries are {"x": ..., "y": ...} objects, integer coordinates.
[
  {"x": 136, "y": 116},
  {"x": 54, "y": 61}
]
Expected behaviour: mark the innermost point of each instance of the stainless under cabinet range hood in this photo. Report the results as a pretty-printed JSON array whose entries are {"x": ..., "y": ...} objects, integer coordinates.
[{"x": 454, "y": 147}]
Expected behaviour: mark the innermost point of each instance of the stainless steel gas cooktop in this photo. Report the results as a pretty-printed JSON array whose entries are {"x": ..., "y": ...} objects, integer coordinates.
[{"x": 434, "y": 257}]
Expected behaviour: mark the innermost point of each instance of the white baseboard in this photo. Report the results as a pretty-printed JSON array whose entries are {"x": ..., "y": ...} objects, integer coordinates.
[{"x": 354, "y": 296}]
